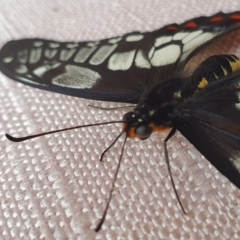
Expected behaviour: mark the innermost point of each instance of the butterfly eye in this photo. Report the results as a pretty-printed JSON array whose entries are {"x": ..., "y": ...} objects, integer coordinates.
[
  {"x": 127, "y": 116},
  {"x": 143, "y": 132}
]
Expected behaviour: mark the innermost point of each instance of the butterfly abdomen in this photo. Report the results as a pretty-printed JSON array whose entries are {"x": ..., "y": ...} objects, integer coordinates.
[{"x": 213, "y": 68}]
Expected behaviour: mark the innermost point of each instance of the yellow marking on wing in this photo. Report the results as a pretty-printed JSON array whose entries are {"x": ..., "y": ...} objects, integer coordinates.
[
  {"x": 152, "y": 112},
  {"x": 235, "y": 65},
  {"x": 177, "y": 94},
  {"x": 215, "y": 75},
  {"x": 203, "y": 83},
  {"x": 225, "y": 72}
]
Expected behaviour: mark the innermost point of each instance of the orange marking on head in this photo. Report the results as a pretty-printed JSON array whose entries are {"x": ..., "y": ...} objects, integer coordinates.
[
  {"x": 191, "y": 24},
  {"x": 131, "y": 133},
  {"x": 235, "y": 17},
  {"x": 172, "y": 28},
  {"x": 216, "y": 19}
]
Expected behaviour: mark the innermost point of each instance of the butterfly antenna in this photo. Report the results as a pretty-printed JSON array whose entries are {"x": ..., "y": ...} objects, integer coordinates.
[
  {"x": 111, "y": 108},
  {"x": 110, "y": 146},
  {"x": 172, "y": 132},
  {"x": 21, "y": 139},
  {"x": 113, "y": 185}
]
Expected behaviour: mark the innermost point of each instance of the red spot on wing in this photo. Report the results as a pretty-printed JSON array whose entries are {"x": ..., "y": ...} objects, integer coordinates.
[
  {"x": 172, "y": 28},
  {"x": 235, "y": 16},
  {"x": 191, "y": 24},
  {"x": 216, "y": 19}
]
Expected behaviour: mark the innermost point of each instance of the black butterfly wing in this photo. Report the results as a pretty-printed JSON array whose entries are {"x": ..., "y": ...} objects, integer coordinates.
[
  {"x": 116, "y": 69},
  {"x": 211, "y": 122},
  {"x": 70, "y": 68}
]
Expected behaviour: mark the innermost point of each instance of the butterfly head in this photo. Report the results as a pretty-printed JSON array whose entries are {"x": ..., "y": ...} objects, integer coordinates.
[
  {"x": 135, "y": 127},
  {"x": 141, "y": 123}
]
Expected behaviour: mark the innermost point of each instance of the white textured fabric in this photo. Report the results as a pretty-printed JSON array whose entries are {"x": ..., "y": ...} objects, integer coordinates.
[{"x": 54, "y": 187}]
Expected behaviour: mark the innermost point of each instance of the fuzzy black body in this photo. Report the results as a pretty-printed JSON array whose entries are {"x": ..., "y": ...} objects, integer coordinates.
[{"x": 205, "y": 108}]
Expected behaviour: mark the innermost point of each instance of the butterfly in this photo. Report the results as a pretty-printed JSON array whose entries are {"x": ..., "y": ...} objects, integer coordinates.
[{"x": 147, "y": 69}]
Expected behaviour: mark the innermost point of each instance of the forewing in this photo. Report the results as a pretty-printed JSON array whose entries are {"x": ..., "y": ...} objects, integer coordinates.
[
  {"x": 115, "y": 69},
  {"x": 211, "y": 122}
]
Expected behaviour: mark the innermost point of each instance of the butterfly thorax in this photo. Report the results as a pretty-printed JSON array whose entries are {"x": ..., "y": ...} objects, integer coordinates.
[{"x": 153, "y": 112}]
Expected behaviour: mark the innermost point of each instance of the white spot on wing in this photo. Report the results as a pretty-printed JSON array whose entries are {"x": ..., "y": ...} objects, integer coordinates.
[
  {"x": 235, "y": 160},
  {"x": 83, "y": 54},
  {"x": 35, "y": 55},
  {"x": 65, "y": 54},
  {"x": 161, "y": 40},
  {"x": 50, "y": 53},
  {"x": 121, "y": 61},
  {"x": 134, "y": 38},
  {"x": 114, "y": 40},
  {"x": 92, "y": 44},
  {"x": 54, "y": 45},
  {"x": 21, "y": 69},
  {"x": 141, "y": 61},
  {"x": 37, "y": 43},
  {"x": 238, "y": 84},
  {"x": 191, "y": 36},
  {"x": 238, "y": 95},
  {"x": 29, "y": 76},
  {"x": 22, "y": 55},
  {"x": 198, "y": 41},
  {"x": 40, "y": 71},
  {"x": 101, "y": 54},
  {"x": 8, "y": 59},
  {"x": 180, "y": 35},
  {"x": 237, "y": 105},
  {"x": 72, "y": 45},
  {"x": 166, "y": 55},
  {"x": 77, "y": 77}
]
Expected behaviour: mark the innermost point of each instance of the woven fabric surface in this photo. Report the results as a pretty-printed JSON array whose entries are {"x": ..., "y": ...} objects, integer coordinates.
[{"x": 54, "y": 187}]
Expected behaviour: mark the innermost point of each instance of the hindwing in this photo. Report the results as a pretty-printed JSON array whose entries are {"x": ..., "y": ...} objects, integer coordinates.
[{"x": 210, "y": 120}]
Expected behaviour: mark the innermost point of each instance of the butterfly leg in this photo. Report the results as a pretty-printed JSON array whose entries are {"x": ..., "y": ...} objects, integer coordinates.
[{"x": 172, "y": 132}]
